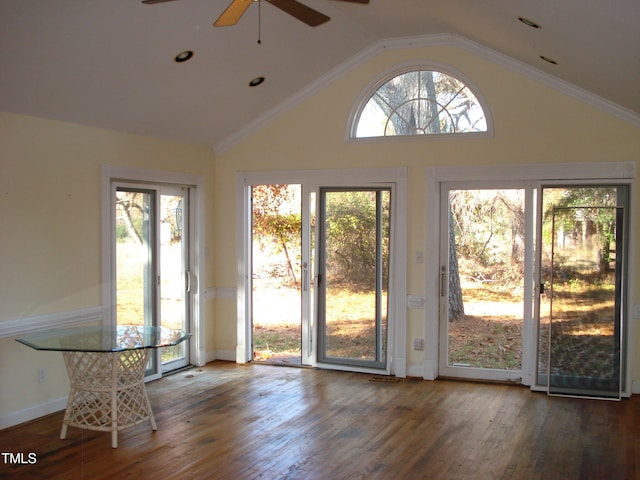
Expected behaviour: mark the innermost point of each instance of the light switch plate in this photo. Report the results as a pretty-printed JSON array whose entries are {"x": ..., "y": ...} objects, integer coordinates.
[{"x": 415, "y": 301}]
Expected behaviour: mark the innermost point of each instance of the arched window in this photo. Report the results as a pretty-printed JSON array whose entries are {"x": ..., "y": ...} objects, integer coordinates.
[{"x": 419, "y": 102}]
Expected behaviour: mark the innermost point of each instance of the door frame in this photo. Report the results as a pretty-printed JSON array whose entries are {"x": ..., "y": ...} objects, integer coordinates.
[
  {"x": 395, "y": 177},
  {"x": 321, "y": 297},
  {"x": 112, "y": 174},
  {"x": 531, "y": 174}
]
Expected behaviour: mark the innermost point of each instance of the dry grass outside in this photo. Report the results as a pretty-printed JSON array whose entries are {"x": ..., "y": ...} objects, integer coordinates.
[
  {"x": 277, "y": 330},
  {"x": 486, "y": 342},
  {"x": 490, "y": 335},
  {"x": 130, "y": 299},
  {"x": 583, "y": 332}
]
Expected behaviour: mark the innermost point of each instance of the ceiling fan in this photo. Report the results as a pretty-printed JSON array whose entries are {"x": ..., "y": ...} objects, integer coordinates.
[{"x": 294, "y": 8}]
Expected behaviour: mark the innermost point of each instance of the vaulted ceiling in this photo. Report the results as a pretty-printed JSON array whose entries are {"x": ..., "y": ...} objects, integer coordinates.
[{"x": 110, "y": 63}]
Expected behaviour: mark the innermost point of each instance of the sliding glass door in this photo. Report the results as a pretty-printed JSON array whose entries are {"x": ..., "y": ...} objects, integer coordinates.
[
  {"x": 153, "y": 279},
  {"x": 532, "y": 286}
]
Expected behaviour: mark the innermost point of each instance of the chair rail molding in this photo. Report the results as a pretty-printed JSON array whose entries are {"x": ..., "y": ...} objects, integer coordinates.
[{"x": 69, "y": 318}]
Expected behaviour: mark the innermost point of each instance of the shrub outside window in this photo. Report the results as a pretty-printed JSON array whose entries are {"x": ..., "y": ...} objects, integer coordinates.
[{"x": 420, "y": 102}]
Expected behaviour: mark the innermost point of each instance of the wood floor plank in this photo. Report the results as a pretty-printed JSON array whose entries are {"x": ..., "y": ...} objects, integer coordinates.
[{"x": 229, "y": 421}]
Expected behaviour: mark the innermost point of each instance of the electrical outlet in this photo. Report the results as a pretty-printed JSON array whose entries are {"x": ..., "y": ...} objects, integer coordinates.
[
  {"x": 41, "y": 375},
  {"x": 418, "y": 344}
]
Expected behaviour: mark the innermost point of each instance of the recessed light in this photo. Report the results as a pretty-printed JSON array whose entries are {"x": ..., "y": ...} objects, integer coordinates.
[
  {"x": 529, "y": 23},
  {"x": 256, "y": 81},
  {"x": 549, "y": 60},
  {"x": 183, "y": 56}
]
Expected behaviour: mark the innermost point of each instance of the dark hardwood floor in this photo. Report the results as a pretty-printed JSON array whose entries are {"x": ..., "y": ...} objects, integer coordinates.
[{"x": 233, "y": 421}]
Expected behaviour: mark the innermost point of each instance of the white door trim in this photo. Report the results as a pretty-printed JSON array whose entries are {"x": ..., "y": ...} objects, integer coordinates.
[{"x": 111, "y": 173}]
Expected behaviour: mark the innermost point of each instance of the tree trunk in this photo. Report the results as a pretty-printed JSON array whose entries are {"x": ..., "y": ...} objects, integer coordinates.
[
  {"x": 456, "y": 305},
  {"x": 128, "y": 222},
  {"x": 434, "y": 108}
]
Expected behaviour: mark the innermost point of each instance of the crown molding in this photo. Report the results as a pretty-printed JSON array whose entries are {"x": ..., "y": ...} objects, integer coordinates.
[
  {"x": 421, "y": 41},
  {"x": 546, "y": 79}
]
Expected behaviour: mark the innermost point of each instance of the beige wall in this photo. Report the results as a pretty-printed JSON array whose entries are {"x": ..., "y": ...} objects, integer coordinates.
[
  {"x": 50, "y": 224},
  {"x": 534, "y": 124}
]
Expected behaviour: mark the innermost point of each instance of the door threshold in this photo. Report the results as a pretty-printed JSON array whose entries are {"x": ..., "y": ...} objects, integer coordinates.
[
  {"x": 481, "y": 380},
  {"x": 281, "y": 364},
  {"x": 177, "y": 370}
]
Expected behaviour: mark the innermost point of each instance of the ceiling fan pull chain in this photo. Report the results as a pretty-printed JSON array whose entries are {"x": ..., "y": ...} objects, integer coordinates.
[{"x": 259, "y": 22}]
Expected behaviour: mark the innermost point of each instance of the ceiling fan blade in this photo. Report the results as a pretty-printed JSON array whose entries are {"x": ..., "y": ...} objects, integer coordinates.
[
  {"x": 305, "y": 14},
  {"x": 233, "y": 13},
  {"x": 152, "y": 2},
  {"x": 352, "y": 1}
]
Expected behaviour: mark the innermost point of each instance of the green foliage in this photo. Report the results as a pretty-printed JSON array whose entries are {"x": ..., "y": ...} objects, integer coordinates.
[
  {"x": 273, "y": 216},
  {"x": 351, "y": 236},
  {"x": 350, "y": 230},
  {"x": 122, "y": 234},
  {"x": 579, "y": 212},
  {"x": 277, "y": 221}
]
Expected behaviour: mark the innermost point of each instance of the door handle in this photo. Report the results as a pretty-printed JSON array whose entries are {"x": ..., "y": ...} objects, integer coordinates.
[
  {"x": 187, "y": 281},
  {"x": 305, "y": 277}
]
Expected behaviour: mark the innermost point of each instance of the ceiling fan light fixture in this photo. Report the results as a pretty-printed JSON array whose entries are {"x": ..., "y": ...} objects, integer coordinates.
[
  {"x": 529, "y": 23},
  {"x": 183, "y": 56},
  {"x": 256, "y": 81}
]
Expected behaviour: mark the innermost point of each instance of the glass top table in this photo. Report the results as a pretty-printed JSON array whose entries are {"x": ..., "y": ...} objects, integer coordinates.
[
  {"x": 104, "y": 339},
  {"x": 106, "y": 368}
]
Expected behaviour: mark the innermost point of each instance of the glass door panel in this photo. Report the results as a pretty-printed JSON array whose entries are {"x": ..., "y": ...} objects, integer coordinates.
[
  {"x": 152, "y": 275},
  {"x": 585, "y": 320},
  {"x": 353, "y": 281},
  {"x": 136, "y": 272},
  {"x": 134, "y": 245},
  {"x": 277, "y": 274},
  {"x": 175, "y": 275},
  {"x": 309, "y": 237},
  {"x": 483, "y": 284},
  {"x": 582, "y": 295}
]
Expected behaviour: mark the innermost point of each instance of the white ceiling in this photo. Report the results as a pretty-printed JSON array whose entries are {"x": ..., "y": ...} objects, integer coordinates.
[{"x": 109, "y": 63}]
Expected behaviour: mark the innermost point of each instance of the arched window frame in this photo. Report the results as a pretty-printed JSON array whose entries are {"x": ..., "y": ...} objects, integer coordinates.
[{"x": 397, "y": 70}]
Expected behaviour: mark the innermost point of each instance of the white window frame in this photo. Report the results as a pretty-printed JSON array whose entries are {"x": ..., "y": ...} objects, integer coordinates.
[{"x": 384, "y": 77}]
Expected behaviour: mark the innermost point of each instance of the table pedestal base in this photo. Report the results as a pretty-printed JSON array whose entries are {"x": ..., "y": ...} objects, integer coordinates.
[{"x": 107, "y": 391}]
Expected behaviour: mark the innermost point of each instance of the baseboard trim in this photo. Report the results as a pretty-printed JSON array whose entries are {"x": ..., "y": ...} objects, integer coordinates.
[
  {"x": 32, "y": 412},
  {"x": 228, "y": 355},
  {"x": 415, "y": 371}
]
